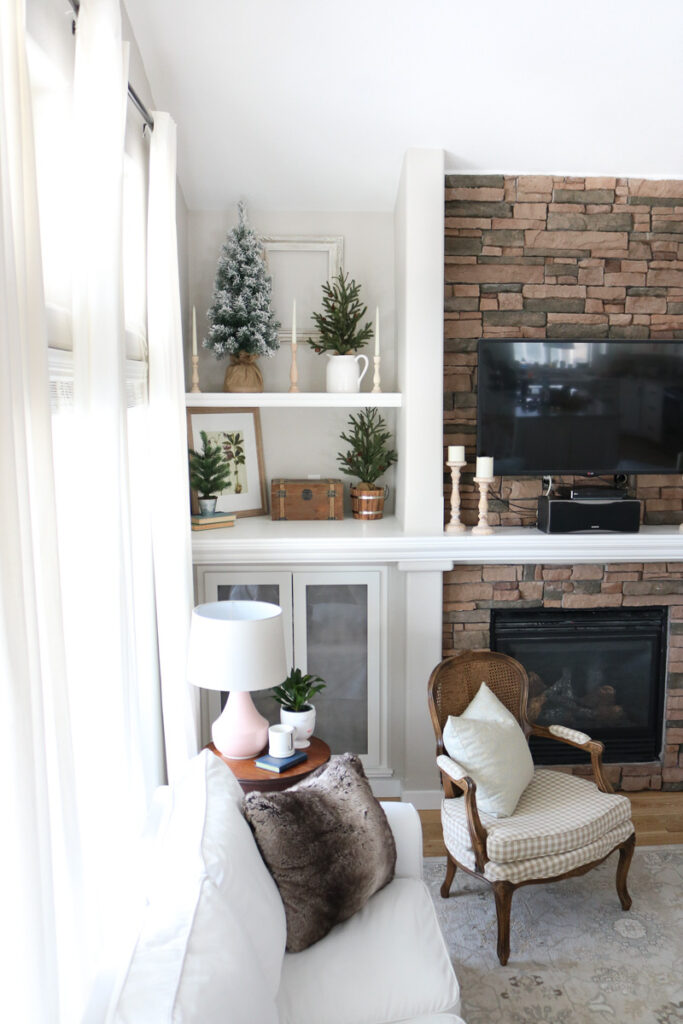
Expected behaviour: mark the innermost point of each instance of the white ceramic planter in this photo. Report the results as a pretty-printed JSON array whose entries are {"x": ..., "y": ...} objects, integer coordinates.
[
  {"x": 303, "y": 722},
  {"x": 343, "y": 372}
]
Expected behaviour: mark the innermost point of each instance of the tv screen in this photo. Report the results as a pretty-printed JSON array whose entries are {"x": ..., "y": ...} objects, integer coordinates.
[{"x": 583, "y": 407}]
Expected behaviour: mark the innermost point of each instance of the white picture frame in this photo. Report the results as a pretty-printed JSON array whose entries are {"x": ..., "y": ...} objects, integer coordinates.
[{"x": 299, "y": 265}]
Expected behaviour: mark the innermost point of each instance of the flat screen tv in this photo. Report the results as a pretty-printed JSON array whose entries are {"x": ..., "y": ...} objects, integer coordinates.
[{"x": 584, "y": 407}]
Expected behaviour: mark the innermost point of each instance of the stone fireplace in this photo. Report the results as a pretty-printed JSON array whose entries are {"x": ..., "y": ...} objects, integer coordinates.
[
  {"x": 542, "y": 256},
  {"x": 474, "y": 594}
]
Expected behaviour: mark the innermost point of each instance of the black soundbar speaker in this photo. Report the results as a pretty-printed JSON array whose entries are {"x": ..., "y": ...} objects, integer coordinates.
[{"x": 565, "y": 515}]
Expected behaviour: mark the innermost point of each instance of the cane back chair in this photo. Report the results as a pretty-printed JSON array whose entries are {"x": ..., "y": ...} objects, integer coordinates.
[{"x": 562, "y": 825}]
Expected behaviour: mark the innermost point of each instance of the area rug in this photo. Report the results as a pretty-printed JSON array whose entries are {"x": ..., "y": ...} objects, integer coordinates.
[{"x": 575, "y": 956}]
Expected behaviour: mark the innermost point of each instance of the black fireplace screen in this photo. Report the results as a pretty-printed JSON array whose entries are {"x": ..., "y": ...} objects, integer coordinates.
[{"x": 601, "y": 671}]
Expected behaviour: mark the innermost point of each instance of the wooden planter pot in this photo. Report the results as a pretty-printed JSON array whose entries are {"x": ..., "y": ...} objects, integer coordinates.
[{"x": 367, "y": 502}]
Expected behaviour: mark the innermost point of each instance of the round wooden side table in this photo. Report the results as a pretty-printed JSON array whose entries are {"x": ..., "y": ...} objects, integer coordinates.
[{"x": 253, "y": 779}]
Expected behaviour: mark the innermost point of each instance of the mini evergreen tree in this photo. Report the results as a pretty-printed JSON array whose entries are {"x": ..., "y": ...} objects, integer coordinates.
[
  {"x": 209, "y": 472},
  {"x": 368, "y": 457},
  {"x": 339, "y": 323},
  {"x": 240, "y": 315}
]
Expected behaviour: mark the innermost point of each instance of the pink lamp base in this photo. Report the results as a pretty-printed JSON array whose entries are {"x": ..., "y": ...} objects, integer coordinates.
[{"x": 241, "y": 731}]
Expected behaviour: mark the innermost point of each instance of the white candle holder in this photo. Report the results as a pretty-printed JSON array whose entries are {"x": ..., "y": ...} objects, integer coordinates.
[
  {"x": 293, "y": 372},
  {"x": 195, "y": 375},
  {"x": 482, "y": 528},
  {"x": 376, "y": 389},
  {"x": 455, "y": 526}
]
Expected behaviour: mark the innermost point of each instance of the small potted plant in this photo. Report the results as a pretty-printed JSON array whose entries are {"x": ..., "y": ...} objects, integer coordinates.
[
  {"x": 209, "y": 474},
  {"x": 242, "y": 324},
  {"x": 367, "y": 459},
  {"x": 341, "y": 333},
  {"x": 294, "y": 696}
]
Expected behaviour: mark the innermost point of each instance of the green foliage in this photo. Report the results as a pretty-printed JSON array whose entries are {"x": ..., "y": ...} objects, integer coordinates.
[
  {"x": 297, "y": 690},
  {"x": 369, "y": 456},
  {"x": 240, "y": 315},
  {"x": 339, "y": 324},
  {"x": 209, "y": 472}
]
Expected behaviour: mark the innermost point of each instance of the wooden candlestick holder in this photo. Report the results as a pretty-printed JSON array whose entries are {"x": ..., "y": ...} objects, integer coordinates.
[
  {"x": 195, "y": 375},
  {"x": 455, "y": 526},
  {"x": 293, "y": 372},
  {"x": 482, "y": 528},
  {"x": 375, "y": 380}
]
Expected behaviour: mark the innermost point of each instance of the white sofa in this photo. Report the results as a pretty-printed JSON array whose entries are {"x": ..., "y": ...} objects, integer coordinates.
[{"x": 211, "y": 946}]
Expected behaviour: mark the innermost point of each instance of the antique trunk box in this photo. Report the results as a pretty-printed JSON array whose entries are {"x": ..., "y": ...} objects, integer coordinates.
[{"x": 306, "y": 499}]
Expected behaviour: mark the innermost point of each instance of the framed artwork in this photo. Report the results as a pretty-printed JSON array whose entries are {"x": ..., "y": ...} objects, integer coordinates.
[
  {"x": 299, "y": 265},
  {"x": 238, "y": 432}
]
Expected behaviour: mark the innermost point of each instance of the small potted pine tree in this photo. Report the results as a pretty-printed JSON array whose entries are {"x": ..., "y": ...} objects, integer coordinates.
[
  {"x": 341, "y": 333},
  {"x": 209, "y": 473},
  {"x": 367, "y": 458},
  {"x": 294, "y": 696}
]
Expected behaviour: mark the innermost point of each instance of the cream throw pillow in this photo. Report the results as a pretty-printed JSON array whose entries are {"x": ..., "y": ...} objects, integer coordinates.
[{"x": 488, "y": 742}]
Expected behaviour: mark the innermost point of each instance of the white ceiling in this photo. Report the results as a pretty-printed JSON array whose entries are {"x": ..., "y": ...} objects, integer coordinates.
[{"x": 310, "y": 104}]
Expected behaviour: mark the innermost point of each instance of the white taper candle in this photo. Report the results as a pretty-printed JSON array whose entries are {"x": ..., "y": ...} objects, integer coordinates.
[
  {"x": 194, "y": 331},
  {"x": 377, "y": 331}
]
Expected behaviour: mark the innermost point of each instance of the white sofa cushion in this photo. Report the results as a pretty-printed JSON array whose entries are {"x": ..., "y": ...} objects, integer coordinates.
[
  {"x": 487, "y": 741},
  {"x": 213, "y": 934},
  {"x": 387, "y": 963}
]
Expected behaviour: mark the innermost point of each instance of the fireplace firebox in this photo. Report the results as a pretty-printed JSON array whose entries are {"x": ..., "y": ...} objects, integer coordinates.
[{"x": 601, "y": 671}]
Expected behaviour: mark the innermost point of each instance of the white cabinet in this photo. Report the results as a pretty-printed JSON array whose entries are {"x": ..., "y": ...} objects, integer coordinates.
[{"x": 334, "y": 623}]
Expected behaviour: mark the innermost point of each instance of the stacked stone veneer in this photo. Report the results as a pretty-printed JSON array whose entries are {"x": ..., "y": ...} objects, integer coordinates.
[
  {"x": 470, "y": 592},
  {"x": 542, "y": 256}
]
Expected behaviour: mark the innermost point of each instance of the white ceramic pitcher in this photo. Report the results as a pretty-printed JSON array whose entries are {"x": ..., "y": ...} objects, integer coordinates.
[{"x": 343, "y": 372}]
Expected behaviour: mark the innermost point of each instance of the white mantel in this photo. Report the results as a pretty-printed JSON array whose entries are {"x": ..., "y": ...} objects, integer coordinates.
[{"x": 260, "y": 540}]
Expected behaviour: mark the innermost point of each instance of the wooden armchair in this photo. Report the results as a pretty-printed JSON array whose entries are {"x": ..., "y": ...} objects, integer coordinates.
[{"x": 562, "y": 825}]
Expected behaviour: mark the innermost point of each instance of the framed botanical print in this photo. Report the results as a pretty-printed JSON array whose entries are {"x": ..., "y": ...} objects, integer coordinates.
[{"x": 238, "y": 432}]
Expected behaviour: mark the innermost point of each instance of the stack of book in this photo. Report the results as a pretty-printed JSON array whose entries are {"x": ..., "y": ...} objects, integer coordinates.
[
  {"x": 213, "y": 521},
  {"x": 280, "y": 764}
]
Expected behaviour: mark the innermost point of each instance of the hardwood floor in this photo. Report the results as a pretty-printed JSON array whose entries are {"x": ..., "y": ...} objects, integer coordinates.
[{"x": 658, "y": 818}]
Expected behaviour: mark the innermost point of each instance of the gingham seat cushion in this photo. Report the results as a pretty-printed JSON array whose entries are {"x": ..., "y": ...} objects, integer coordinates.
[{"x": 557, "y": 814}]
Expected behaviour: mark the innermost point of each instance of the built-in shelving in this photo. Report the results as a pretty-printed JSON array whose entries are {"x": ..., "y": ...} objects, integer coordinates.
[
  {"x": 285, "y": 400},
  {"x": 259, "y": 539}
]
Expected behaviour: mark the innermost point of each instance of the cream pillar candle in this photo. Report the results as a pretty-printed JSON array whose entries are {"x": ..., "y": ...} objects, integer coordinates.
[
  {"x": 484, "y": 470},
  {"x": 456, "y": 453},
  {"x": 194, "y": 331}
]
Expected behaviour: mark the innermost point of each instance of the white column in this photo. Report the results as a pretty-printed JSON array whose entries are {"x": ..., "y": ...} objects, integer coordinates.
[
  {"x": 423, "y": 611},
  {"x": 419, "y": 273}
]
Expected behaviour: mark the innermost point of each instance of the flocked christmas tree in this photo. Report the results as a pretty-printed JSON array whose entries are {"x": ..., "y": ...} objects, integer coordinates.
[{"x": 243, "y": 325}]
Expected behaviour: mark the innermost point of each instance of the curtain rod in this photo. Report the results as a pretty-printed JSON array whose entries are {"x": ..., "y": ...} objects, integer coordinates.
[{"x": 133, "y": 96}]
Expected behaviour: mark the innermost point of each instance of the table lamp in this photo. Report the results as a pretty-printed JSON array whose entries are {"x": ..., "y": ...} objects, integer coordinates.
[{"x": 237, "y": 646}]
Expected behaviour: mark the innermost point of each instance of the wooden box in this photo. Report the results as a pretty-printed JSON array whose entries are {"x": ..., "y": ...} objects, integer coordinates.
[{"x": 306, "y": 499}]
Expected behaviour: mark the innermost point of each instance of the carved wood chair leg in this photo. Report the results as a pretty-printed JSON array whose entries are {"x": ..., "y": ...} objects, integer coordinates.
[
  {"x": 503, "y": 892},
  {"x": 450, "y": 875},
  {"x": 625, "y": 854}
]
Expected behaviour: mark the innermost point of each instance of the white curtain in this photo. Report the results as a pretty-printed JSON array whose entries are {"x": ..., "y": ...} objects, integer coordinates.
[
  {"x": 40, "y": 877},
  {"x": 169, "y": 468}
]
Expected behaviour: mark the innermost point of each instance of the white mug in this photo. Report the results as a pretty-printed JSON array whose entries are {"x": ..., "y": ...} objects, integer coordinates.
[{"x": 281, "y": 740}]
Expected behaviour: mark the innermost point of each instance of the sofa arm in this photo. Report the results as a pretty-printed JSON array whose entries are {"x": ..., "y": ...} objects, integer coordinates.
[{"x": 404, "y": 822}]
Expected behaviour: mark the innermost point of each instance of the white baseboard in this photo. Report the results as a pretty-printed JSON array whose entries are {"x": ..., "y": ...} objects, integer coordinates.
[
  {"x": 384, "y": 788},
  {"x": 423, "y": 799}
]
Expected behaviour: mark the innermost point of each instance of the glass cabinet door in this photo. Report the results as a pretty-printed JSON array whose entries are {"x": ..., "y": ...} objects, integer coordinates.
[{"x": 336, "y": 636}]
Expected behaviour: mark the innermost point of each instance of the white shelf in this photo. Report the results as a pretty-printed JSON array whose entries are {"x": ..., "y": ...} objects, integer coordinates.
[
  {"x": 285, "y": 400},
  {"x": 260, "y": 540}
]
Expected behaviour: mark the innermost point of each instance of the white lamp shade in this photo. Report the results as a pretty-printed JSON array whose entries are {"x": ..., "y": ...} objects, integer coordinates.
[{"x": 236, "y": 646}]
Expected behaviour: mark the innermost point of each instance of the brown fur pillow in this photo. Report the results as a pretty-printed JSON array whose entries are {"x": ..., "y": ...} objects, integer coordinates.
[{"x": 327, "y": 844}]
